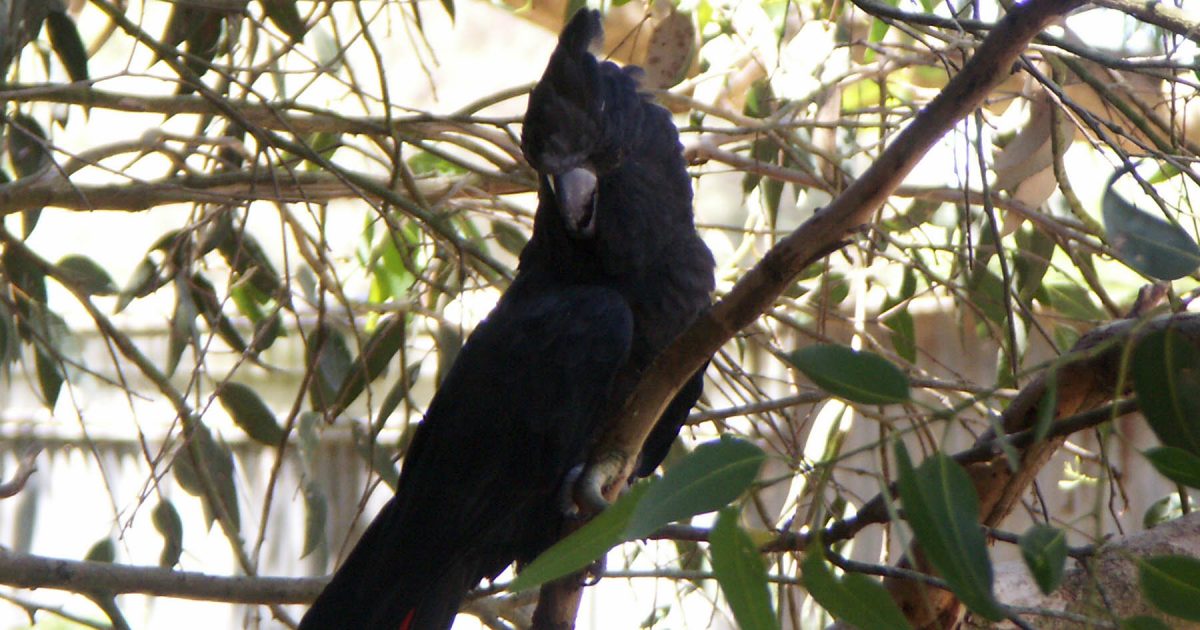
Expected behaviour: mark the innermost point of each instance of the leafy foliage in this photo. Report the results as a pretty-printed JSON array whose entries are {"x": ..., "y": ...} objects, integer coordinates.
[{"x": 219, "y": 217}]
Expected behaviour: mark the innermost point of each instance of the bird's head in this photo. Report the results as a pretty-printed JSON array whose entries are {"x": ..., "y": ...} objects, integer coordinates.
[
  {"x": 563, "y": 133},
  {"x": 613, "y": 188}
]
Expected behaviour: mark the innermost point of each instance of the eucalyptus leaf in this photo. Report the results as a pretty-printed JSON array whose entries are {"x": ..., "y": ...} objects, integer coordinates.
[
  {"x": 316, "y": 515},
  {"x": 168, "y": 524},
  {"x": 1044, "y": 550},
  {"x": 1149, "y": 244},
  {"x": 1175, "y": 464},
  {"x": 706, "y": 480},
  {"x": 855, "y": 599},
  {"x": 585, "y": 545},
  {"x": 1166, "y": 380},
  {"x": 1172, "y": 584},
  {"x": 86, "y": 275},
  {"x": 104, "y": 550},
  {"x": 67, "y": 44},
  {"x": 739, "y": 568},
  {"x": 250, "y": 413},
  {"x": 941, "y": 507},
  {"x": 854, "y": 375}
]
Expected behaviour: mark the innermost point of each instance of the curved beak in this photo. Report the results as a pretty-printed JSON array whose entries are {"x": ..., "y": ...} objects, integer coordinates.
[{"x": 575, "y": 193}]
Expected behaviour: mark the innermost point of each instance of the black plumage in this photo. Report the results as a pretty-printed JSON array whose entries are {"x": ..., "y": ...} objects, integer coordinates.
[{"x": 613, "y": 271}]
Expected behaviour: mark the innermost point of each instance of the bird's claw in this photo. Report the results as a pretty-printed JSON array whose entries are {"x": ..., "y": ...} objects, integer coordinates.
[{"x": 566, "y": 497}]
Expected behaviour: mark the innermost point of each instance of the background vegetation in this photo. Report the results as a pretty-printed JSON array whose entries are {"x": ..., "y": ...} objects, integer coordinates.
[{"x": 241, "y": 240}]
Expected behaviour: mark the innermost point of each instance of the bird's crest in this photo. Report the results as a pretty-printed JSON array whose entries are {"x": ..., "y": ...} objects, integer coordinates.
[{"x": 563, "y": 124}]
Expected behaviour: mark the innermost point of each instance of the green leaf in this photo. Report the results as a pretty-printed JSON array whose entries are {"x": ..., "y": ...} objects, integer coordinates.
[
  {"x": 706, "y": 480},
  {"x": 1161, "y": 511},
  {"x": 1172, "y": 584},
  {"x": 857, "y": 376},
  {"x": 285, "y": 15},
  {"x": 509, "y": 237},
  {"x": 585, "y": 544},
  {"x": 1175, "y": 464},
  {"x": 27, "y": 147},
  {"x": 942, "y": 508},
  {"x": 103, "y": 551},
  {"x": 397, "y": 393},
  {"x": 1151, "y": 245},
  {"x": 424, "y": 163},
  {"x": 316, "y": 515},
  {"x": 1143, "y": 622},
  {"x": 332, "y": 363},
  {"x": 50, "y": 376},
  {"x": 904, "y": 334},
  {"x": 1047, "y": 407},
  {"x": 170, "y": 526},
  {"x": 250, "y": 413},
  {"x": 741, "y": 574},
  {"x": 448, "y": 5},
  {"x": 183, "y": 324},
  {"x": 86, "y": 275},
  {"x": 377, "y": 456},
  {"x": 379, "y": 350},
  {"x": 65, "y": 40},
  {"x": 855, "y": 599},
  {"x": 1044, "y": 549},
  {"x": 200, "y": 452},
  {"x": 1166, "y": 380},
  {"x": 141, "y": 283}
]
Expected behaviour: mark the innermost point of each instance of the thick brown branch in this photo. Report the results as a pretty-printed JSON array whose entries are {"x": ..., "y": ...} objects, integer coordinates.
[{"x": 759, "y": 288}]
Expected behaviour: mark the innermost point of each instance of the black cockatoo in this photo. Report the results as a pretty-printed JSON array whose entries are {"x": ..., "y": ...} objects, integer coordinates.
[{"x": 614, "y": 270}]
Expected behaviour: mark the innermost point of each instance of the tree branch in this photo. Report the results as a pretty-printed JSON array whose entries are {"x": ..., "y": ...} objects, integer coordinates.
[
  {"x": 614, "y": 456},
  {"x": 32, "y": 571}
]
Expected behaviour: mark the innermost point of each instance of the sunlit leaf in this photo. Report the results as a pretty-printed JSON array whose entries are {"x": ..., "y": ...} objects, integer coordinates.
[
  {"x": 1172, "y": 584},
  {"x": 857, "y": 376},
  {"x": 706, "y": 480},
  {"x": 670, "y": 51},
  {"x": 1147, "y": 243},
  {"x": 941, "y": 507},
  {"x": 739, "y": 569}
]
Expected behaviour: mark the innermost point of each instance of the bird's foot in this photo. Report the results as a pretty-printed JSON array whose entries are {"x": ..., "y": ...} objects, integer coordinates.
[
  {"x": 594, "y": 571},
  {"x": 566, "y": 497}
]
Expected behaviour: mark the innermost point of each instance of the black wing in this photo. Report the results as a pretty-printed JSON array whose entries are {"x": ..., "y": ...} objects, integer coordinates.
[{"x": 480, "y": 483}]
